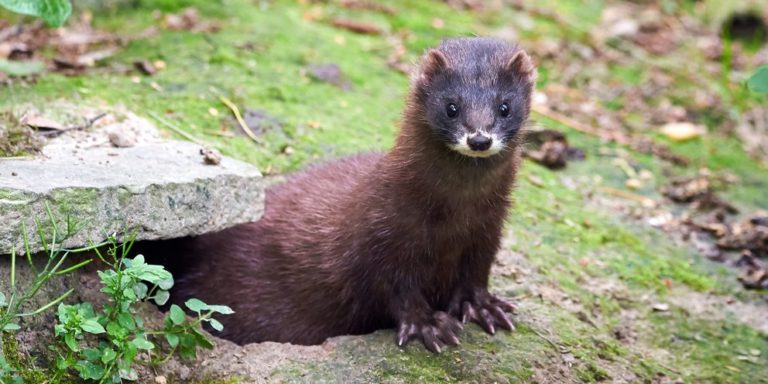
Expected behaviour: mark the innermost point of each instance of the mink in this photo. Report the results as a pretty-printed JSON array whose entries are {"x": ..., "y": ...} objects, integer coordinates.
[{"x": 403, "y": 239}]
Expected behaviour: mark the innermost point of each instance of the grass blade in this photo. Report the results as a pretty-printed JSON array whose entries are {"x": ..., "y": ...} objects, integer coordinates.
[
  {"x": 74, "y": 267},
  {"x": 51, "y": 304}
]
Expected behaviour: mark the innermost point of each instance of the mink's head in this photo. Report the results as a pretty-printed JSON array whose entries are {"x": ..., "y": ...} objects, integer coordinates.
[{"x": 475, "y": 94}]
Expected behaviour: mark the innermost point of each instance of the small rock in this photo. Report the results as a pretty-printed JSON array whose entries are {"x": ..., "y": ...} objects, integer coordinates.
[
  {"x": 258, "y": 121},
  {"x": 624, "y": 27},
  {"x": 160, "y": 380},
  {"x": 329, "y": 73},
  {"x": 145, "y": 67},
  {"x": 122, "y": 139},
  {"x": 210, "y": 156},
  {"x": 633, "y": 184},
  {"x": 661, "y": 307},
  {"x": 682, "y": 131}
]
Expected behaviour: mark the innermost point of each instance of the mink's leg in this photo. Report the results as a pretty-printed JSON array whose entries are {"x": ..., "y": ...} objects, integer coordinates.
[
  {"x": 471, "y": 300},
  {"x": 416, "y": 320}
]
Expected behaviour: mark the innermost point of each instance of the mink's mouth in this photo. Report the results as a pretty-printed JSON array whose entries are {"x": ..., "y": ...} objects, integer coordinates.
[{"x": 464, "y": 145}]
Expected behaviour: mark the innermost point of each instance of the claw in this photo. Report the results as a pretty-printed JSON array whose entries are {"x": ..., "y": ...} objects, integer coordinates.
[
  {"x": 430, "y": 339},
  {"x": 469, "y": 312},
  {"x": 486, "y": 320},
  {"x": 452, "y": 339},
  {"x": 502, "y": 319},
  {"x": 405, "y": 333},
  {"x": 505, "y": 306}
]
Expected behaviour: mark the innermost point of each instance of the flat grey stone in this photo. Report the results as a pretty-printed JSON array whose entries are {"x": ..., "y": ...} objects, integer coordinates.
[{"x": 160, "y": 189}]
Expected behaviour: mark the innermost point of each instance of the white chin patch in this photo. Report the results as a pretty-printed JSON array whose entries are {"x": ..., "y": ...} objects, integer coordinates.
[{"x": 463, "y": 148}]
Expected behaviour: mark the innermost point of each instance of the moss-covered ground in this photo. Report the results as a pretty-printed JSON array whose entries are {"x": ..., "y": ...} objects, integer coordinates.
[{"x": 586, "y": 275}]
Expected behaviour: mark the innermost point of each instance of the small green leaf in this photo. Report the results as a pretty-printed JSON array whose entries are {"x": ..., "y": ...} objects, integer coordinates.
[
  {"x": 92, "y": 354},
  {"x": 223, "y": 309},
  {"x": 88, "y": 370},
  {"x": 759, "y": 81},
  {"x": 202, "y": 340},
  {"x": 172, "y": 339},
  {"x": 3, "y": 303},
  {"x": 140, "y": 289},
  {"x": 142, "y": 343},
  {"x": 138, "y": 260},
  {"x": 126, "y": 321},
  {"x": 187, "y": 346},
  {"x": 11, "y": 327},
  {"x": 116, "y": 331},
  {"x": 63, "y": 363},
  {"x": 130, "y": 350},
  {"x": 177, "y": 314},
  {"x": 216, "y": 324},
  {"x": 92, "y": 326},
  {"x": 71, "y": 342},
  {"x": 165, "y": 284},
  {"x": 161, "y": 297},
  {"x": 128, "y": 374},
  {"x": 54, "y": 12},
  {"x": 108, "y": 355},
  {"x": 196, "y": 305}
]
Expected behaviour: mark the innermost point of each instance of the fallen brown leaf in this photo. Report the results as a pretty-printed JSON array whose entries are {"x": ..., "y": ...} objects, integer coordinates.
[{"x": 357, "y": 26}]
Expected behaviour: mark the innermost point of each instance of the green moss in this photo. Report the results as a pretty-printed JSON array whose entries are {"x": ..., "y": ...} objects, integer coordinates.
[
  {"x": 591, "y": 373},
  {"x": 24, "y": 365},
  {"x": 16, "y": 139},
  {"x": 710, "y": 351}
]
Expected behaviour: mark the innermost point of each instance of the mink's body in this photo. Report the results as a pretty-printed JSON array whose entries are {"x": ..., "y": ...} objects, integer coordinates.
[{"x": 404, "y": 239}]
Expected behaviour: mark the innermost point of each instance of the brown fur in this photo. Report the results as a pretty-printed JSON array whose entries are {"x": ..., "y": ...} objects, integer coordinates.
[{"x": 374, "y": 241}]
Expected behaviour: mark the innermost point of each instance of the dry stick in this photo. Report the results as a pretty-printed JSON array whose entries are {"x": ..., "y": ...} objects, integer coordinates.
[
  {"x": 645, "y": 201},
  {"x": 635, "y": 143},
  {"x": 177, "y": 129},
  {"x": 239, "y": 119},
  {"x": 88, "y": 123}
]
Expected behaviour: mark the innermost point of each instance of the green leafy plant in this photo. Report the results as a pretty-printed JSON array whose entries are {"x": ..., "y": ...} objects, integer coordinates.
[
  {"x": 54, "y": 12},
  {"x": 759, "y": 81},
  {"x": 104, "y": 345},
  {"x": 18, "y": 295}
]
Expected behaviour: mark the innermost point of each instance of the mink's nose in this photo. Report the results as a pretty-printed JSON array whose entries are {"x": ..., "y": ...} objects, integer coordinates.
[{"x": 479, "y": 142}]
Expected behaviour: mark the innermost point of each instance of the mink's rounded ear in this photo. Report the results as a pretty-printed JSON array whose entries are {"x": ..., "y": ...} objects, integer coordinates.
[
  {"x": 521, "y": 64},
  {"x": 433, "y": 63}
]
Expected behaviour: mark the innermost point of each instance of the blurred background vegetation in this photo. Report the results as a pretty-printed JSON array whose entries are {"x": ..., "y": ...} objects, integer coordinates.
[{"x": 664, "y": 102}]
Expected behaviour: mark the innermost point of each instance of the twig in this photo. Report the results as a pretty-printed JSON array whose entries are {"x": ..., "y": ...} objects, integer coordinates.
[
  {"x": 177, "y": 129},
  {"x": 645, "y": 201},
  {"x": 239, "y": 119},
  {"x": 88, "y": 123},
  {"x": 356, "y": 26},
  {"x": 640, "y": 144}
]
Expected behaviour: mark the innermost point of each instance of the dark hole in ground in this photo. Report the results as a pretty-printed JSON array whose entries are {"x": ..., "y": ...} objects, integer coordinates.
[
  {"x": 745, "y": 26},
  {"x": 182, "y": 257}
]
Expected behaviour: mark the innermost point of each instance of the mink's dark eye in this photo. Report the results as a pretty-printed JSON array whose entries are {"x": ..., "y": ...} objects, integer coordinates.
[
  {"x": 504, "y": 110},
  {"x": 452, "y": 110}
]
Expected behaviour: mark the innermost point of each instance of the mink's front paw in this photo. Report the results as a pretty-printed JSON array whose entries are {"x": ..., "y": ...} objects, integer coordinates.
[
  {"x": 435, "y": 331},
  {"x": 483, "y": 308}
]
